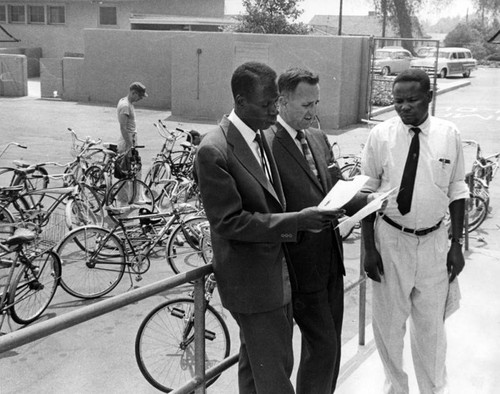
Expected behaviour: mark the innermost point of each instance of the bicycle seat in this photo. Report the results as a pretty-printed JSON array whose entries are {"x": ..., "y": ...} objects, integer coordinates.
[
  {"x": 21, "y": 163},
  {"x": 21, "y": 236},
  {"x": 186, "y": 145},
  {"x": 111, "y": 146}
]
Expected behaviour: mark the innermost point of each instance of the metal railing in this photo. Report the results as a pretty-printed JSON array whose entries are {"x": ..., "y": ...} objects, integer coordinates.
[{"x": 43, "y": 329}]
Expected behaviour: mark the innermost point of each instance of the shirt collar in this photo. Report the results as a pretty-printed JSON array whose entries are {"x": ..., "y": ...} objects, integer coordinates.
[
  {"x": 247, "y": 133},
  {"x": 288, "y": 128},
  {"x": 424, "y": 127}
]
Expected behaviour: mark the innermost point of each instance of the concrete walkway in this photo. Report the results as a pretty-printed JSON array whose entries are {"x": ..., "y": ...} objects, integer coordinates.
[{"x": 473, "y": 358}]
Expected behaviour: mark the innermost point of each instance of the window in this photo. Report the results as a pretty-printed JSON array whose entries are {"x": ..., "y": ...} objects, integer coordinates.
[
  {"x": 3, "y": 14},
  {"x": 17, "y": 14},
  {"x": 36, "y": 14},
  {"x": 56, "y": 15},
  {"x": 107, "y": 16}
]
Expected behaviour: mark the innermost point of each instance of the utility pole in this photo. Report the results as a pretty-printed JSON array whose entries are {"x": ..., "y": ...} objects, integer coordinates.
[{"x": 340, "y": 18}]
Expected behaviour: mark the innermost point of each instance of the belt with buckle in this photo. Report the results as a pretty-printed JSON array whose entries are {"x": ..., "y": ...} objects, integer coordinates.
[{"x": 419, "y": 233}]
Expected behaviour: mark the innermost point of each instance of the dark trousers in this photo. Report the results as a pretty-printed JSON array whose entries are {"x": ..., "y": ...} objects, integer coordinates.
[
  {"x": 319, "y": 316},
  {"x": 266, "y": 351}
]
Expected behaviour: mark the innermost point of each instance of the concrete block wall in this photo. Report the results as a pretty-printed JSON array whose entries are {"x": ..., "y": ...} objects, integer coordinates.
[
  {"x": 13, "y": 75},
  {"x": 51, "y": 78},
  {"x": 72, "y": 68},
  {"x": 189, "y": 72},
  {"x": 33, "y": 55}
]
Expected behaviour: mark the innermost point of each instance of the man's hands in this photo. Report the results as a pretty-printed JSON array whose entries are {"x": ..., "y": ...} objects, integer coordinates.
[
  {"x": 373, "y": 264},
  {"x": 314, "y": 219},
  {"x": 455, "y": 261}
]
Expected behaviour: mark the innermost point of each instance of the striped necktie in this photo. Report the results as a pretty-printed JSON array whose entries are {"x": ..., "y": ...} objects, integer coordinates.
[{"x": 307, "y": 152}]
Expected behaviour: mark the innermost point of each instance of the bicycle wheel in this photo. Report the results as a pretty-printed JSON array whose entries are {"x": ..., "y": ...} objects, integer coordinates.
[
  {"x": 95, "y": 178},
  {"x": 126, "y": 195},
  {"x": 93, "y": 262},
  {"x": 159, "y": 171},
  {"x": 477, "y": 209},
  {"x": 183, "y": 250},
  {"x": 350, "y": 170},
  {"x": 35, "y": 286},
  {"x": 84, "y": 209},
  {"x": 6, "y": 227},
  {"x": 164, "y": 345}
]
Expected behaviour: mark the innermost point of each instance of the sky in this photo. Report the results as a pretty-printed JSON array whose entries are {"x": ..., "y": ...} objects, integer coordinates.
[{"x": 360, "y": 7}]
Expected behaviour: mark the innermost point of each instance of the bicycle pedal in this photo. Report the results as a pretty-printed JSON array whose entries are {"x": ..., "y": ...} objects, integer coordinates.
[{"x": 138, "y": 278}]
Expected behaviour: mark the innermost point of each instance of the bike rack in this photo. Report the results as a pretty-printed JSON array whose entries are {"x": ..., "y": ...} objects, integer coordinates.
[{"x": 197, "y": 384}]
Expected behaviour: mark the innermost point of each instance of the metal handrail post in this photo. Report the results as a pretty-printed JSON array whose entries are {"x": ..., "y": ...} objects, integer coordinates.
[
  {"x": 199, "y": 333},
  {"x": 362, "y": 295}
]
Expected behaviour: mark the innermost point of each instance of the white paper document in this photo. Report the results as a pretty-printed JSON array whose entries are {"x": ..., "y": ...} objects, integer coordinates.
[
  {"x": 373, "y": 206},
  {"x": 342, "y": 193}
]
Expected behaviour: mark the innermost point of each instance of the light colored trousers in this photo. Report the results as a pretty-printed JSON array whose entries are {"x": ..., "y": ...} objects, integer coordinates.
[{"x": 414, "y": 285}]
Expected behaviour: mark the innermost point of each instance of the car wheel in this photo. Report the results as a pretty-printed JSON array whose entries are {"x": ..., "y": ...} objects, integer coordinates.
[
  {"x": 443, "y": 73},
  {"x": 466, "y": 74},
  {"x": 386, "y": 71}
]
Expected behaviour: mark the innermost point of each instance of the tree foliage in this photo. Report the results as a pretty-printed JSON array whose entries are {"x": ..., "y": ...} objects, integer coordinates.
[
  {"x": 474, "y": 35},
  {"x": 270, "y": 17}
]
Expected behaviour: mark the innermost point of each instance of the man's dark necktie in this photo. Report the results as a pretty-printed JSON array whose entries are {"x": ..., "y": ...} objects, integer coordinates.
[
  {"x": 410, "y": 171},
  {"x": 263, "y": 161},
  {"x": 307, "y": 152}
]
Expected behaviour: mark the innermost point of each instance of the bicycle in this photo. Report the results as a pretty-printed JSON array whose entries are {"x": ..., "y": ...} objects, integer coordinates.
[
  {"x": 170, "y": 164},
  {"x": 32, "y": 278},
  {"x": 164, "y": 345},
  {"x": 94, "y": 258},
  {"x": 85, "y": 154},
  {"x": 74, "y": 205},
  {"x": 129, "y": 191}
]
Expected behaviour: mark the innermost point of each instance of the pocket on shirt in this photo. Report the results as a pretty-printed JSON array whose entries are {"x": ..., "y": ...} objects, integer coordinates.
[{"x": 441, "y": 173}]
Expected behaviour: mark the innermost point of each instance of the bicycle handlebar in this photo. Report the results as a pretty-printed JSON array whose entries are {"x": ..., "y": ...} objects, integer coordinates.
[
  {"x": 87, "y": 140},
  {"x": 13, "y": 143}
]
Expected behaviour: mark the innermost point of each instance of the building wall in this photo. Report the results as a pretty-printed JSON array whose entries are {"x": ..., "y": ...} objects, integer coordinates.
[
  {"x": 14, "y": 72},
  {"x": 55, "y": 40},
  {"x": 189, "y": 72}
]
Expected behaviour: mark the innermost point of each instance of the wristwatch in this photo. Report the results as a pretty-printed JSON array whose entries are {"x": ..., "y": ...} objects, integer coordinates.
[{"x": 458, "y": 240}]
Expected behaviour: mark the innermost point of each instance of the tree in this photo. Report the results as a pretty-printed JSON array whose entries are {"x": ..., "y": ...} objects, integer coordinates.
[{"x": 270, "y": 17}]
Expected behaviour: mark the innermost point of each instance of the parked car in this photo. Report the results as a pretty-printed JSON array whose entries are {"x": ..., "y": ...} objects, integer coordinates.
[
  {"x": 450, "y": 61},
  {"x": 391, "y": 60}
]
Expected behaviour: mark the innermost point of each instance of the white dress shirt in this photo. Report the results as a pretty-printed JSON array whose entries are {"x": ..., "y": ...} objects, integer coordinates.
[{"x": 440, "y": 172}]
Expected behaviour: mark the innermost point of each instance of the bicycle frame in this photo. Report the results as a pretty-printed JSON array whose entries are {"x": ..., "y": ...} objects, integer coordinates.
[{"x": 143, "y": 245}]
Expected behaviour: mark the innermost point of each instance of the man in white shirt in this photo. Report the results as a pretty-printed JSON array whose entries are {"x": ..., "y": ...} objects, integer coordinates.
[{"x": 406, "y": 246}]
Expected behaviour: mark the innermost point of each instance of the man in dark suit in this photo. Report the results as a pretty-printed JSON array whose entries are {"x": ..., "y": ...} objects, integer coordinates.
[
  {"x": 302, "y": 155},
  {"x": 243, "y": 199}
]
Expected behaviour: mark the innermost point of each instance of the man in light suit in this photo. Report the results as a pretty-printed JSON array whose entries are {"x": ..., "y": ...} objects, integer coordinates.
[
  {"x": 243, "y": 199},
  {"x": 316, "y": 258}
]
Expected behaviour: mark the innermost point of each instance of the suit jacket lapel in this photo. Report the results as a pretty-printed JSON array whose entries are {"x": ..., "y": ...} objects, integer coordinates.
[
  {"x": 287, "y": 142},
  {"x": 245, "y": 156}
]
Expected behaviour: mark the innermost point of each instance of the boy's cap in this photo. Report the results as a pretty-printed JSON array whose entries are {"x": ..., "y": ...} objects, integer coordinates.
[{"x": 139, "y": 88}]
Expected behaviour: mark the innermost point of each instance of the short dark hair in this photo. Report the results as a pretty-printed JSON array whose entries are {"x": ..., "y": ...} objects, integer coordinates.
[
  {"x": 288, "y": 81},
  {"x": 414, "y": 75},
  {"x": 246, "y": 77}
]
